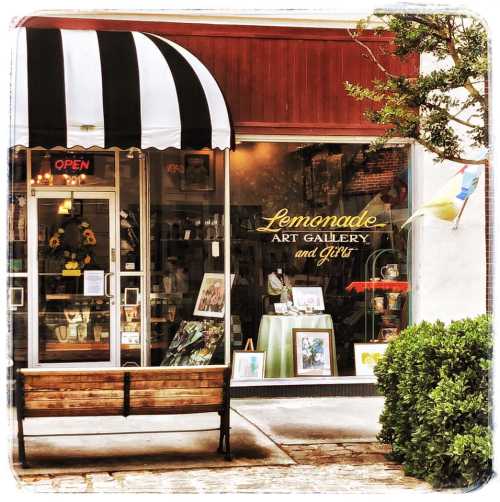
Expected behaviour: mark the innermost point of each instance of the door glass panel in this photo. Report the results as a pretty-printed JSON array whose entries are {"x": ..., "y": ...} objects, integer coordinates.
[{"x": 73, "y": 237}]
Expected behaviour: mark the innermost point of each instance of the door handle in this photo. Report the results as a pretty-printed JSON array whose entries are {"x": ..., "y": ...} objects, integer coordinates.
[{"x": 106, "y": 284}]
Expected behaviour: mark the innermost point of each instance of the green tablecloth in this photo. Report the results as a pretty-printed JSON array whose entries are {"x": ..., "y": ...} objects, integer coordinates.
[{"x": 275, "y": 338}]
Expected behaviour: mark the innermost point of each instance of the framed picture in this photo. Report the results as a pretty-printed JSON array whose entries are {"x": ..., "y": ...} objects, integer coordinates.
[
  {"x": 248, "y": 365},
  {"x": 312, "y": 352},
  {"x": 16, "y": 298},
  {"x": 366, "y": 356},
  {"x": 199, "y": 172},
  {"x": 131, "y": 296},
  {"x": 308, "y": 298},
  {"x": 281, "y": 308},
  {"x": 210, "y": 301}
]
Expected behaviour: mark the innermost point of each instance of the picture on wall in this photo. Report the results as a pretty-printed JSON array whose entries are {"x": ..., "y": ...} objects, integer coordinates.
[
  {"x": 199, "y": 172},
  {"x": 210, "y": 301},
  {"x": 248, "y": 365},
  {"x": 312, "y": 352},
  {"x": 366, "y": 356}
]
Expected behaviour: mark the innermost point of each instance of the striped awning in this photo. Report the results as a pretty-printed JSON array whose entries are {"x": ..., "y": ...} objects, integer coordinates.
[{"x": 113, "y": 89}]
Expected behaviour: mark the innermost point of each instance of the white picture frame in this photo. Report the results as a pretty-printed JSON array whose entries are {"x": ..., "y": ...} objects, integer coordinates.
[
  {"x": 280, "y": 308},
  {"x": 305, "y": 297},
  {"x": 16, "y": 297},
  {"x": 210, "y": 301},
  {"x": 366, "y": 356},
  {"x": 313, "y": 352},
  {"x": 131, "y": 297},
  {"x": 248, "y": 365}
]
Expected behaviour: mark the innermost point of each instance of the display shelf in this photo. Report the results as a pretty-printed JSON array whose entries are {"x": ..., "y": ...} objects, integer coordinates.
[
  {"x": 362, "y": 286},
  {"x": 69, "y": 346},
  {"x": 69, "y": 296}
]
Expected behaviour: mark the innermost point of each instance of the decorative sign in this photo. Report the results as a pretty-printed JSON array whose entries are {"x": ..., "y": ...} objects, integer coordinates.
[
  {"x": 342, "y": 234},
  {"x": 73, "y": 164}
]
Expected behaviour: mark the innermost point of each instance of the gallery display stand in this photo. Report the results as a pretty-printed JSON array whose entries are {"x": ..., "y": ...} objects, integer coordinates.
[{"x": 275, "y": 338}]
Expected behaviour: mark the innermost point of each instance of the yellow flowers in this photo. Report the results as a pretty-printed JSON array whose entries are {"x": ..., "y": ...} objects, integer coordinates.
[{"x": 71, "y": 265}]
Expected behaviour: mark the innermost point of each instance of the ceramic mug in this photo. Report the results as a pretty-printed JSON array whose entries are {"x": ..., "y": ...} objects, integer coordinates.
[
  {"x": 378, "y": 303},
  {"x": 390, "y": 271},
  {"x": 388, "y": 333},
  {"x": 393, "y": 301}
]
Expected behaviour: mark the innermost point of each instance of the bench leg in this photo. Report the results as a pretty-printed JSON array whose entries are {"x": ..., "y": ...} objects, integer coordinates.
[
  {"x": 227, "y": 442},
  {"x": 220, "y": 449},
  {"x": 20, "y": 417}
]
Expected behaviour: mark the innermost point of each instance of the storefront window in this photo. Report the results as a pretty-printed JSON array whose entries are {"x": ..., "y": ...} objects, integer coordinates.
[
  {"x": 72, "y": 168},
  {"x": 17, "y": 212},
  {"x": 186, "y": 257},
  {"x": 130, "y": 216},
  {"x": 326, "y": 218}
]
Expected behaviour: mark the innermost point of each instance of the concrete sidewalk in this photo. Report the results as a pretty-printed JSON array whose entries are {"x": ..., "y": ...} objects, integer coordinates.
[{"x": 307, "y": 445}]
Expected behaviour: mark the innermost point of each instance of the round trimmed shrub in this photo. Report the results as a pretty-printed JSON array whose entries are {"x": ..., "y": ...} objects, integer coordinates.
[{"x": 435, "y": 380}]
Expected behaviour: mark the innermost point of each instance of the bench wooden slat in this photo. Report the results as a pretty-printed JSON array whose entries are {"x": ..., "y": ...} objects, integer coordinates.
[
  {"x": 129, "y": 369},
  {"x": 161, "y": 393},
  {"x": 174, "y": 410},
  {"x": 64, "y": 386},
  {"x": 39, "y": 380},
  {"x": 153, "y": 402},
  {"x": 73, "y": 395},
  {"x": 77, "y": 403},
  {"x": 176, "y": 384}
]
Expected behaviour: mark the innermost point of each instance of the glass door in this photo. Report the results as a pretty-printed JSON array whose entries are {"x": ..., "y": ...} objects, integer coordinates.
[{"x": 74, "y": 279}]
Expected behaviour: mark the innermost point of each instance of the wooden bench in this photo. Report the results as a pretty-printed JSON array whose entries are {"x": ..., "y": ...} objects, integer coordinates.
[{"x": 123, "y": 391}]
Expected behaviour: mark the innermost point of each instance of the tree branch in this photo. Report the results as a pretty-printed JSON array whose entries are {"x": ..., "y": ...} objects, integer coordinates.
[
  {"x": 371, "y": 54},
  {"x": 458, "y": 62},
  {"x": 440, "y": 153}
]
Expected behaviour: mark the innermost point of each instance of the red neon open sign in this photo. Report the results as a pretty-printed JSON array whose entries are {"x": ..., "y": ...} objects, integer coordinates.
[{"x": 72, "y": 165}]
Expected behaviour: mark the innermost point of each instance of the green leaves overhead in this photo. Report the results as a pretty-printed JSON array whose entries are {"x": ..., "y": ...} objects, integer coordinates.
[{"x": 439, "y": 107}]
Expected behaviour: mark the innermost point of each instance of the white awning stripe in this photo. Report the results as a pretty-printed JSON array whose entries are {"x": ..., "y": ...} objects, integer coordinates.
[
  {"x": 83, "y": 88},
  {"x": 20, "y": 134},
  {"x": 160, "y": 119}
]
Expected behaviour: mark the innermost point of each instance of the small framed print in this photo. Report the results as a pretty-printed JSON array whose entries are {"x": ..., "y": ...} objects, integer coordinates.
[
  {"x": 131, "y": 297},
  {"x": 199, "y": 172},
  {"x": 309, "y": 299},
  {"x": 210, "y": 301},
  {"x": 248, "y": 365},
  {"x": 366, "y": 356},
  {"x": 280, "y": 308},
  {"x": 313, "y": 351},
  {"x": 16, "y": 298}
]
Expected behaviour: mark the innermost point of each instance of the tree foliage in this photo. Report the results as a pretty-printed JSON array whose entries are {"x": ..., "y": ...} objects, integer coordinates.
[{"x": 439, "y": 108}]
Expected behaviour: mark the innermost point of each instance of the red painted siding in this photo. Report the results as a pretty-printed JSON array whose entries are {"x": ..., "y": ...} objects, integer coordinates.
[{"x": 276, "y": 80}]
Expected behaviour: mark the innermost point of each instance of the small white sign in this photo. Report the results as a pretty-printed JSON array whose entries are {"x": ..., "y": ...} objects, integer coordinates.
[
  {"x": 93, "y": 283},
  {"x": 130, "y": 265},
  {"x": 215, "y": 249},
  {"x": 130, "y": 337}
]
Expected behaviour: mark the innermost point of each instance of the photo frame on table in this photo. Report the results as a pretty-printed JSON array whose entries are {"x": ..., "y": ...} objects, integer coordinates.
[
  {"x": 248, "y": 365},
  {"x": 308, "y": 298},
  {"x": 313, "y": 351},
  {"x": 198, "y": 171},
  {"x": 366, "y": 356},
  {"x": 280, "y": 308},
  {"x": 210, "y": 301}
]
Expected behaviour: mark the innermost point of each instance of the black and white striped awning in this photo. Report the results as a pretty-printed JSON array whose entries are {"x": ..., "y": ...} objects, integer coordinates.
[{"x": 113, "y": 89}]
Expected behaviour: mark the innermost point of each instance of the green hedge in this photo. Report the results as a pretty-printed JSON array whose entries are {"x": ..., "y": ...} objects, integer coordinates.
[{"x": 435, "y": 380}]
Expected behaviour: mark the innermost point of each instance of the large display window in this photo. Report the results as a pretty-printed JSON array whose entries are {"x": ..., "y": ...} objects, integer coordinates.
[{"x": 319, "y": 256}]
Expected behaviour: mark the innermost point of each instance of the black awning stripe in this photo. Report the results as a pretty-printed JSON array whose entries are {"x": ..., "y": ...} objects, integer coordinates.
[
  {"x": 196, "y": 127},
  {"x": 46, "y": 98},
  {"x": 120, "y": 89}
]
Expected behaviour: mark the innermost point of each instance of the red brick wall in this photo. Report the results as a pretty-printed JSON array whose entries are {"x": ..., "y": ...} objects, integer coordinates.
[{"x": 379, "y": 172}]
